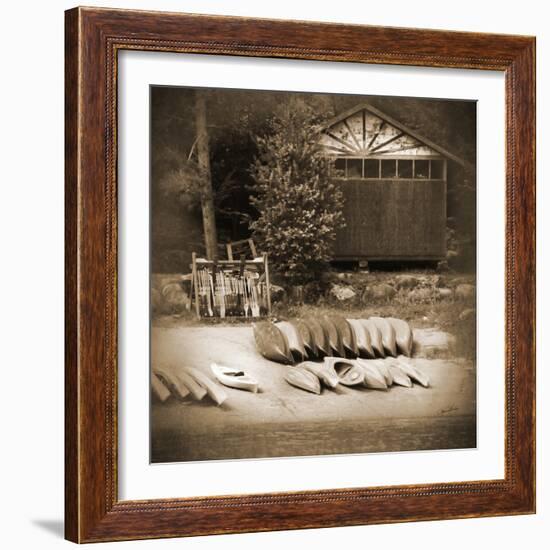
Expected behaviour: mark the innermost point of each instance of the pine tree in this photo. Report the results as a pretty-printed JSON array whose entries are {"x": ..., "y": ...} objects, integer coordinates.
[{"x": 299, "y": 206}]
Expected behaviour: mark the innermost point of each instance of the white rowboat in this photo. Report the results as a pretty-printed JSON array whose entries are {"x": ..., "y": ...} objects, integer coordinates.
[{"x": 234, "y": 378}]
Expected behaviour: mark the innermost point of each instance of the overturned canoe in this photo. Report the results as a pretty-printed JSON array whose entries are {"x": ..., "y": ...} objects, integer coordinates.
[
  {"x": 234, "y": 378},
  {"x": 388, "y": 334},
  {"x": 412, "y": 372},
  {"x": 375, "y": 337},
  {"x": 303, "y": 379},
  {"x": 362, "y": 338},
  {"x": 400, "y": 378},
  {"x": 349, "y": 373},
  {"x": 383, "y": 369},
  {"x": 196, "y": 390},
  {"x": 325, "y": 373},
  {"x": 318, "y": 335},
  {"x": 307, "y": 338},
  {"x": 214, "y": 391},
  {"x": 403, "y": 335},
  {"x": 271, "y": 342},
  {"x": 331, "y": 334},
  {"x": 346, "y": 336},
  {"x": 174, "y": 384},
  {"x": 373, "y": 378},
  {"x": 158, "y": 389},
  {"x": 294, "y": 340}
]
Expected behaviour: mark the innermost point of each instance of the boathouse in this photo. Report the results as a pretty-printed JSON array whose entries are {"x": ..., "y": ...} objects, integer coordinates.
[{"x": 395, "y": 187}]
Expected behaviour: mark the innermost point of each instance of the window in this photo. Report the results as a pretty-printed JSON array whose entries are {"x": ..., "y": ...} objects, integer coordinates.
[
  {"x": 405, "y": 168},
  {"x": 437, "y": 170},
  {"x": 421, "y": 169},
  {"x": 388, "y": 168},
  {"x": 354, "y": 168},
  {"x": 340, "y": 168},
  {"x": 372, "y": 168}
]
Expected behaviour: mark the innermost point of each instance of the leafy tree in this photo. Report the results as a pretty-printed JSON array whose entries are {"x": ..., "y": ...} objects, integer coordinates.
[
  {"x": 299, "y": 206},
  {"x": 178, "y": 178}
]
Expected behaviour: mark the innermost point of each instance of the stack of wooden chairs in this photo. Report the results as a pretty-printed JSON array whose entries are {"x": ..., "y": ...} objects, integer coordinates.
[{"x": 232, "y": 288}]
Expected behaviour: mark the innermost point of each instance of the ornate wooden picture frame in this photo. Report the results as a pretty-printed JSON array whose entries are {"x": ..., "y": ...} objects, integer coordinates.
[{"x": 94, "y": 37}]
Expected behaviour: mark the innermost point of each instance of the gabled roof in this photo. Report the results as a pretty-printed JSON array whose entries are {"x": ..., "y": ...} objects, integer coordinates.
[{"x": 392, "y": 122}]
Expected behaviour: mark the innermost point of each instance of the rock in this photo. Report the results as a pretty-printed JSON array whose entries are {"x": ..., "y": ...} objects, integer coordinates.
[
  {"x": 406, "y": 281},
  {"x": 175, "y": 299},
  {"x": 277, "y": 293},
  {"x": 465, "y": 291},
  {"x": 444, "y": 293},
  {"x": 343, "y": 293},
  {"x": 467, "y": 314},
  {"x": 421, "y": 295},
  {"x": 157, "y": 301},
  {"x": 160, "y": 280},
  {"x": 381, "y": 291},
  {"x": 431, "y": 343},
  {"x": 315, "y": 292}
]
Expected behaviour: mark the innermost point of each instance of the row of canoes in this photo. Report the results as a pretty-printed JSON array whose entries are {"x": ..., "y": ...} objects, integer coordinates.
[
  {"x": 377, "y": 374},
  {"x": 311, "y": 338},
  {"x": 193, "y": 384}
]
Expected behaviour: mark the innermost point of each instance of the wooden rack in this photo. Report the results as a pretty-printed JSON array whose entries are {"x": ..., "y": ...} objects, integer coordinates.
[{"x": 231, "y": 288}]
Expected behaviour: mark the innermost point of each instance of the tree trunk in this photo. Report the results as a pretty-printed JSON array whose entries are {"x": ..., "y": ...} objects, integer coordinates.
[{"x": 207, "y": 195}]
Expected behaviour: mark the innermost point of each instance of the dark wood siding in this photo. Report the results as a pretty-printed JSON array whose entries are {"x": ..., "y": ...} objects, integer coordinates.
[{"x": 393, "y": 219}]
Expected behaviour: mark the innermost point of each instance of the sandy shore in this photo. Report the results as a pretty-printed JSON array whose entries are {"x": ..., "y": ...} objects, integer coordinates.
[{"x": 284, "y": 421}]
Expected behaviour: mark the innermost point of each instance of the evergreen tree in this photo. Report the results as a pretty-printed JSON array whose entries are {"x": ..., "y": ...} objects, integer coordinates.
[{"x": 299, "y": 206}]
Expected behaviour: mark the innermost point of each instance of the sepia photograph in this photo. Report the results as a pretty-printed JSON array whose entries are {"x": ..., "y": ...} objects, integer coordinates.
[{"x": 312, "y": 274}]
